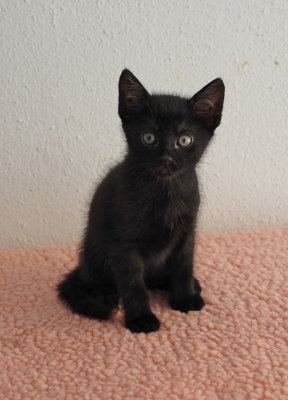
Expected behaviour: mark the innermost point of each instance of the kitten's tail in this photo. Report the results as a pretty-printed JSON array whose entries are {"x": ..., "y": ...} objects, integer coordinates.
[{"x": 83, "y": 300}]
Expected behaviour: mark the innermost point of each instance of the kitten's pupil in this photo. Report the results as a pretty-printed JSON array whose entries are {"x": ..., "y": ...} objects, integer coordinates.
[
  {"x": 185, "y": 141},
  {"x": 148, "y": 138}
]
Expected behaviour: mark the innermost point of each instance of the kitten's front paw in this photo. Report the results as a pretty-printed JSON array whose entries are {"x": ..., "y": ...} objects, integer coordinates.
[
  {"x": 192, "y": 303},
  {"x": 145, "y": 323}
]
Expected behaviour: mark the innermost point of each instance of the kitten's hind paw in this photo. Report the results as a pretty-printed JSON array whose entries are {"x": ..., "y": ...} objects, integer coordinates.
[
  {"x": 144, "y": 323},
  {"x": 192, "y": 303}
]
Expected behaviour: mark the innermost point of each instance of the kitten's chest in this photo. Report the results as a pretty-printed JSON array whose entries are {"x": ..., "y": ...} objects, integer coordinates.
[
  {"x": 162, "y": 222},
  {"x": 170, "y": 214},
  {"x": 162, "y": 235}
]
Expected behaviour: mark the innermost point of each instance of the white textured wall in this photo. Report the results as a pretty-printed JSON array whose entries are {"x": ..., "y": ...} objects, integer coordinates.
[{"x": 60, "y": 62}]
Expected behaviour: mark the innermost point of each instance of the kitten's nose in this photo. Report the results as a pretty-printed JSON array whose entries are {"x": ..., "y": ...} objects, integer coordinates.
[{"x": 166, "y": 161}]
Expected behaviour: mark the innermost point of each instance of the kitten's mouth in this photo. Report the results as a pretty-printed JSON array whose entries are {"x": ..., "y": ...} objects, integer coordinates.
[
  {"x": 164, "y": 171},
  {"x": 166, "y": 167}
]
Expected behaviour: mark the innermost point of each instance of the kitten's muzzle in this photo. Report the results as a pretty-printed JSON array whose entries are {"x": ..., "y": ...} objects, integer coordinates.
[{"x": 167, "y": 166}]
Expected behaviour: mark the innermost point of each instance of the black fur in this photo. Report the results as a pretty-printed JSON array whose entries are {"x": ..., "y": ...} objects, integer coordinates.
[{"x": 142, "y": 219}]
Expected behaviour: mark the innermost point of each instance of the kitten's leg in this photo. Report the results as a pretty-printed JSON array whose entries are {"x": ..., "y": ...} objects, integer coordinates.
[
  {"x": 88, "y": 295},
  {"x": 128, "y": 271},
  {"x": 159, "y": 282},
  {"x": 185, "y": 288}
]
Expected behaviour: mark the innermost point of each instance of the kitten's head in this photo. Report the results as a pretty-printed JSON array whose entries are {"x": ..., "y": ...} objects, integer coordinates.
[{"x": 168, "y": 133}]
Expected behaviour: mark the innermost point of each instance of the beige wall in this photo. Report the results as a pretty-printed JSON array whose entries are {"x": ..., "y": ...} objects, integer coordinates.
[{"x": 59, "y": 129}]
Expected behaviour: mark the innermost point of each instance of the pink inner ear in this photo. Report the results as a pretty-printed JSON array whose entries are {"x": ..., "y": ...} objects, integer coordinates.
[
  {"x": 131, "y": 92},
  {"x": 212, "y": 95},
  {"x": 204, "y": 107},
  {"x": 127, "y": 88},
  {"x": 132, "y": 100},
  {"x": 210, "y": 100},
  {"x": 208, "y": 103}
]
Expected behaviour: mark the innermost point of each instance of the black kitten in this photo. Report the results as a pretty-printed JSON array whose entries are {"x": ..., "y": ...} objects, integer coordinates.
[{"x": 142, "y": 219}]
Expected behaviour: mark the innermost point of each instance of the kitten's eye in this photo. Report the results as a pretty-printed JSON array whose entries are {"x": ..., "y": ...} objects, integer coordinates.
[
  {"x": 148, "y": 138},
  {"x": 185, "y": 141}
]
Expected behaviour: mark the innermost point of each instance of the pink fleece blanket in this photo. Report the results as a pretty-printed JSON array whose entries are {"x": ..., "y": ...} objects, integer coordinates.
[{"x": 235, "y": 348}]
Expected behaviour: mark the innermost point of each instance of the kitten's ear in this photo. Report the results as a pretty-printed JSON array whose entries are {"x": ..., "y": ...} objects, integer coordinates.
[
  {"x": 207, "y": 104},
  {"x": 133, "y": 97}
]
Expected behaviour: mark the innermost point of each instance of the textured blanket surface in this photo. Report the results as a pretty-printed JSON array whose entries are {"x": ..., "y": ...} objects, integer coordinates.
[{"x": 235, "y": 348}]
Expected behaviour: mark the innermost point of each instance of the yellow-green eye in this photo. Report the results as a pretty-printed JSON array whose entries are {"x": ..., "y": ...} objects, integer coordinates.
[
  {"x": 148, "y": 138},
  {"x": 185, "y": 141}
]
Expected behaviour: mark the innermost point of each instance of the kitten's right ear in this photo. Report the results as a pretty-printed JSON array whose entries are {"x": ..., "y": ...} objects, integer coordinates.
[{"x": 133, "y": 97}]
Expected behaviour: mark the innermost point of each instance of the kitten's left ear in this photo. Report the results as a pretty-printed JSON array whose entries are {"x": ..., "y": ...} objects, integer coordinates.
[
  {"x": 133, "y": 97},
  {"x": 207, "y": 104}
]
